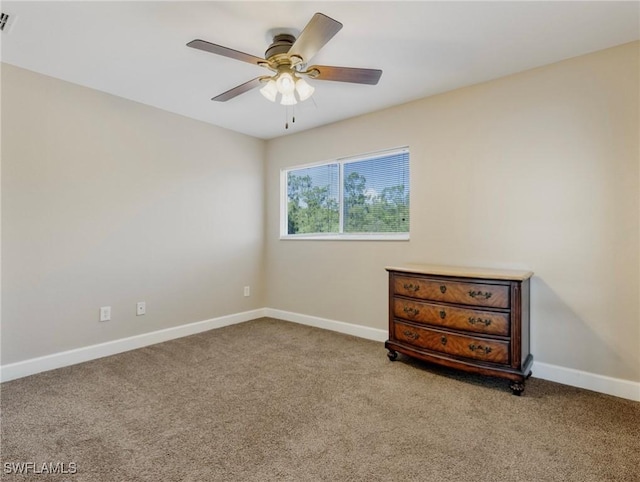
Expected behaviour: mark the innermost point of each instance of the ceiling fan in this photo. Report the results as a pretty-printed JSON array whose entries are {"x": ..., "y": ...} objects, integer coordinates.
[{"x": 287, "y": 57}]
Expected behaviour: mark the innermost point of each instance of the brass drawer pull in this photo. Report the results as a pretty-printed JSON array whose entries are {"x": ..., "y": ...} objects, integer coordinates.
[
  {"x": 479, "y": 348},
  {"x": 411, "y": 311},
  {"x": 480, "y": 294},
  {"x": 411, "y": 287},
  {"x": 479, "y": 321},
  {"x": 443, "y": 314},
  {"x": 410, "y": 334},
  {"x": 443, "y": 340},
  {"x": 443, "y": 289}
]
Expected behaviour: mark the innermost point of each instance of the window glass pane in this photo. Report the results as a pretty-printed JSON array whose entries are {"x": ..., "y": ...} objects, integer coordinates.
[
  {"x": 312, "y": 200},
  {"x": 376, "y": 195}
]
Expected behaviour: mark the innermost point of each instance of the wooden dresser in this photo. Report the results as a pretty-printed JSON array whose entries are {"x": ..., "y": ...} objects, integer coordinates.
[{"x": 475, "y": 320}]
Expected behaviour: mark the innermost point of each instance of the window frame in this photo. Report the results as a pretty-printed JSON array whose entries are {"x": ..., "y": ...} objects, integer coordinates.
[{"x": 284, "y": 198}]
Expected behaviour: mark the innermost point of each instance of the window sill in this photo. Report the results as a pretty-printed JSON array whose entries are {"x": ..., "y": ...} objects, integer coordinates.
[{"x": 346, "y": 237}]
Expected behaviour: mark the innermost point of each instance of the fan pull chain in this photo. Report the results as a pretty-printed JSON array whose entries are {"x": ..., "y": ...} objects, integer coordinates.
[{"x": 286, "y": 116}]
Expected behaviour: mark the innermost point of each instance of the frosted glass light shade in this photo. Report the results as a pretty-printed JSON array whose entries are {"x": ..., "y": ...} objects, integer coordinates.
[
  {"x": 270, "y": 90},
  {"x": 304, "y": 89},
  {"x": 288, "y": 99},
  {"x": 285, "y": 83}
]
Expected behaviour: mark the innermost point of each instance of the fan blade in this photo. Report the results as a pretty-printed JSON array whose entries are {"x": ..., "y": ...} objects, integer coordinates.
[
  {"x": 236, "y": 91},
  {"x": 315, "y": 35},
  {"x": 345, "y": 74},
  {"x": 225, "y": 51}
]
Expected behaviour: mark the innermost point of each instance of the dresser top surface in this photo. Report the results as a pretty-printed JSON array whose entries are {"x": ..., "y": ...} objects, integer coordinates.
[{"x": 463, "y": 271}]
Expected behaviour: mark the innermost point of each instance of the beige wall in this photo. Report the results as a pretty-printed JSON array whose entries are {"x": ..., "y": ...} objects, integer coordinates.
[
  {"x": 110, "y": 202},
  {"x": 538, "y": 170}
]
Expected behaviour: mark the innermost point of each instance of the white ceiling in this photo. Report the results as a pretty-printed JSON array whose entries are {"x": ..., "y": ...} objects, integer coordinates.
[{"x": 137, "y": 50}]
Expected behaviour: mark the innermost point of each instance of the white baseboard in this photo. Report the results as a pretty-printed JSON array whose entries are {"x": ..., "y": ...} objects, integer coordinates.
[
  {"x": 589, "y": 381},
  {"x": 360, "y": 331},
  {"x": 71, "y": 357},
  {"x": 567, "y": 376}
]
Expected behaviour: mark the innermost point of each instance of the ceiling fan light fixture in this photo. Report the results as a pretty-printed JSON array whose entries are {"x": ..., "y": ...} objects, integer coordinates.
[
  {"x": 288, "y": 99},
  {"x": 287, "y": 57},
  {"x": 270, "y": 90},
  {"x": 285, "y": 83},
  {"x": 304, "y": 89}
]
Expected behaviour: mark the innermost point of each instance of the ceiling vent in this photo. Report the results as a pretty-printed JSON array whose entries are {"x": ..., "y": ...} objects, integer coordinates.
[{"x": 5, "y": 23}]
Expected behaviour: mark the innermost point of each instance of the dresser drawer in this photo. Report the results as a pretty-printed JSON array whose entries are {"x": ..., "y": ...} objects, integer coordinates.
[
  {"x": 478, "y": 294},
  {"x": 467, "y": 319},
  {"x": 458, "y": 345}
]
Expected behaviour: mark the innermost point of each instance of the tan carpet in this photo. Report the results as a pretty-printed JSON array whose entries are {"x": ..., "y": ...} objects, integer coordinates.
[{"x": 270, "y": 400}]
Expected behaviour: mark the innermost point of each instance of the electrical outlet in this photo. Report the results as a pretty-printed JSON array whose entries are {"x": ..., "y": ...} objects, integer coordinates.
[
  {"x": 105, "y": 313},
  {"x": 141, "y": 308},
  {"x": 247, "y": 290}
]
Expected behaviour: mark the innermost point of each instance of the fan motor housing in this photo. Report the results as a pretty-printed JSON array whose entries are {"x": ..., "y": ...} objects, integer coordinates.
[{"x": 281, "y": 45}]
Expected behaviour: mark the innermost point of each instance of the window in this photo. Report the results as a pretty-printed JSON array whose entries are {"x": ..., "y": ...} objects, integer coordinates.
[{"x": 364, "y": 197}]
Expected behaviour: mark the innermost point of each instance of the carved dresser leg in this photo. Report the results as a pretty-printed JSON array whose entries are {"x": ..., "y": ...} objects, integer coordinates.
[
  {"x": 517, "y": 388},
  {"x": 393, "y": 355}
]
